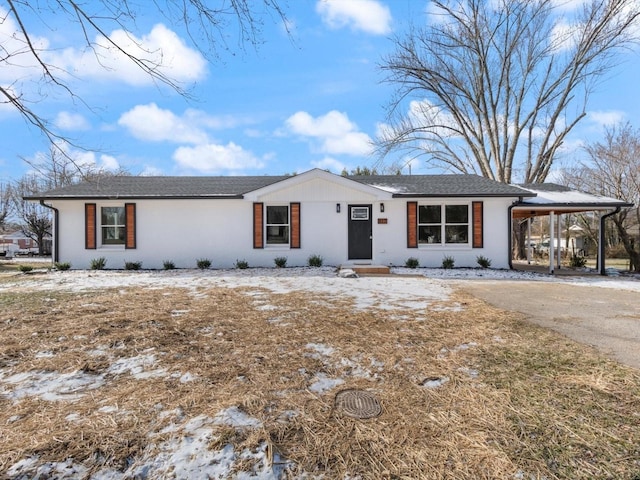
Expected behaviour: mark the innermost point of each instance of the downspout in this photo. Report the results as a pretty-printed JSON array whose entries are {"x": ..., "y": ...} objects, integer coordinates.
[
  {"x": 510, "y": 233},
  {"x": 54, "y": 253},
  {"x": 601, "y": 239}
]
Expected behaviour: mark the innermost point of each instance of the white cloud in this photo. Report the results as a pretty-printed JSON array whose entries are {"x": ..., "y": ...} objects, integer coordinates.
[
  {"x": 426, "y": 113},
  {"x": 369, "y": 16},
  {"x": 336, "y": 133},
  {"x": 90, "y": 159},
  {"x": 152, "y": 123},
  {"x": 606, "y": 118},
  {"x": 330, "y": 164},
  {"x": 160, "y": 46},
  {"x": 565, "y": 35},
  {"x": 82, "y": 159},
  {"x": 212, "y": 158},
  {"x": 149, "y": 122},
  {"x": 568, "y": 5},
  {"x": 71, "y": 121},
  {"x": 151, "y": 171},
  {"x": 20, "y": 62}
]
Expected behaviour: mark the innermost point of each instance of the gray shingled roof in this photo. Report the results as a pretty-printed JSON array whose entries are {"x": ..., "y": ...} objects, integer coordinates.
[
  {"x": 235, "y": 187},
  {"x": 442, "y": 186},
  {"x": 161, "y": 187}
]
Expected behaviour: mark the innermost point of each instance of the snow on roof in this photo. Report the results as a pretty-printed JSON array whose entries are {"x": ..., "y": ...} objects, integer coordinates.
[{"x": 552, "y": 194}]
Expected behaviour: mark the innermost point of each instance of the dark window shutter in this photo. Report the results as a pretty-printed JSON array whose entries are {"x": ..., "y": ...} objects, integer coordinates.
[
  {"x": 90, "y": 226},
  {"x": 477, "y": 219},
  {"x": 258, "y": 225},
  {"x": 295, "y": 225},
  {"x": 412, "y": 224},
  {"x": 130, "y": 225}
]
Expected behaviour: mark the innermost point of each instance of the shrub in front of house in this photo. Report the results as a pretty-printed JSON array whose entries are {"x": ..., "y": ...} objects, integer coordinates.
[
  {"x": 98, "y": 263},
  {"x": 448, "y": 262},
  {"x": 62, "y": 266},
  {"x": 203, "y": 263},
  {"x": 132, "y": 265},
  {"x": 280, "y": 262},
  {"x": 242, "y": 264},
  {"x": 168, "y": 265},
  {"x": 315, "y": 261},
  {"x": 577, "y": 261},
  {"x": 412, "y": 262},
  {"x": 25, "y": 268},
  {"x": 484, "y": 262}
]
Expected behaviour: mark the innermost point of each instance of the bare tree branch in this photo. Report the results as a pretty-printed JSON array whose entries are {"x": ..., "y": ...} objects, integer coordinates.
[
  {"x": 613, "y": 170},
  {"x": 207, "y": 24},
  {"x": 502, "y": 82}
]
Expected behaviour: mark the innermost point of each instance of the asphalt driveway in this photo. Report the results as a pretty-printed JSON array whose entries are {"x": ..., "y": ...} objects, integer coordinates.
[{"x": 606, "y": 318}]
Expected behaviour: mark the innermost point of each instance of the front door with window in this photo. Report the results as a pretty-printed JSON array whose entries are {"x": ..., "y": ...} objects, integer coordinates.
[{"x": 360, "y": 232}]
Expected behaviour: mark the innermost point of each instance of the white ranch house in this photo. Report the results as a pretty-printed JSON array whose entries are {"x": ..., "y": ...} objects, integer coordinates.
[{"x": 363, "y": 220}]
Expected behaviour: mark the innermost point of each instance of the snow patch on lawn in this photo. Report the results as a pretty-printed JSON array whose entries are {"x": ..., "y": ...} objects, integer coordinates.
[{"x": 50, "y": 386}]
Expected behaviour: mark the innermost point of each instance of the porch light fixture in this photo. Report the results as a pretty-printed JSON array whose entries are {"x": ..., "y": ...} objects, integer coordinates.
[
  {"x": 382, "y": 207},
  {"x": 337, "y": 208}
]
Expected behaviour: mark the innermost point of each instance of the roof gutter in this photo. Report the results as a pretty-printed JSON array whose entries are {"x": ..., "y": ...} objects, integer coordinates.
[
  {"x": 56, "y": 213},
  {"x": 601, "y": 249}
]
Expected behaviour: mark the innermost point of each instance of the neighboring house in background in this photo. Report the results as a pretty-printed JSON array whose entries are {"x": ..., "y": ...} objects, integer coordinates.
[
  {"x": 17, "y": 243},
  {"x": 374, "y": 220}
]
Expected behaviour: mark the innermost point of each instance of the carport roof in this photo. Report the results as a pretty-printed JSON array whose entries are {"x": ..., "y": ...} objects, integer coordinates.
[{"x": 551, "y": 197}]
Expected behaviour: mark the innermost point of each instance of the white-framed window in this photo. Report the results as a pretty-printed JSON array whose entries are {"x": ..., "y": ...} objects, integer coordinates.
[
  {"x": 277, "y": 225},
  {"x": 440, "y": 224},
  {"x": 112, "y": 225}
]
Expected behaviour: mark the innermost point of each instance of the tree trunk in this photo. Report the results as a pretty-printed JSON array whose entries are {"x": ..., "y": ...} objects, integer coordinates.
[
  {"x": 629, "y": 245},
  {"x": 520, "y": 234}
]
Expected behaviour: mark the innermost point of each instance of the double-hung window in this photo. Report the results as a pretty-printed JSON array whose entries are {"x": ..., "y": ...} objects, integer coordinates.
[
  {"x": 109, "y": 226},
  {"x": 277, "y": 225},
  {"x": 443, "y": 224},
  {"x": 112, "y": 223}
]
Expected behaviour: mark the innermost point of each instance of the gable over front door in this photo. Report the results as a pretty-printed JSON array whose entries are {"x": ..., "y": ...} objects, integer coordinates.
[{"x": 360, "y": 232}]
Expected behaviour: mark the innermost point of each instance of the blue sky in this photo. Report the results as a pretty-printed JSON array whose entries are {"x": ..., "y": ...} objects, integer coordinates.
[{"x": 311, "y": 98}]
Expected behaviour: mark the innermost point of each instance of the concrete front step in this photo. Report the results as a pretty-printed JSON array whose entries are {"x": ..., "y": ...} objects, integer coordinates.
[{"x": 368, "y": 269}]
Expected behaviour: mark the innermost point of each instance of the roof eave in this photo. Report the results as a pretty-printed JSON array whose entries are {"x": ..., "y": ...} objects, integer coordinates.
[
  {"x": 589, "y": 205},
  {"x": 462, "y": 195},
  {"x": 138, "y": 197}
]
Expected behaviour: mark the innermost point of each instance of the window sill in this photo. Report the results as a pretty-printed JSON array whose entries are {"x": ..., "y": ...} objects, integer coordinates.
[{"x": 444, "y": 246}]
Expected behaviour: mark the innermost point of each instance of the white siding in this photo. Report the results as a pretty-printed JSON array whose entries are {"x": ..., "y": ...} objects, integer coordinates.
[
  {"x": 390, "y": 240},
  {"x": 222, "y": 230},
  {"x": 318, "y": 190}
]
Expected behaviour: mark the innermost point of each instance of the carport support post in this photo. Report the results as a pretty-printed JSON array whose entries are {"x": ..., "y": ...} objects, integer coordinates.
[
  {"x": 559, "y": 233},
  {"x": 551, "y": 239},
  {"x": 529, "y": 240}
]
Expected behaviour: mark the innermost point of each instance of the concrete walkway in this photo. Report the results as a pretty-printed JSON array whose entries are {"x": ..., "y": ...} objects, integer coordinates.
[{"x": 606, "y": 318}]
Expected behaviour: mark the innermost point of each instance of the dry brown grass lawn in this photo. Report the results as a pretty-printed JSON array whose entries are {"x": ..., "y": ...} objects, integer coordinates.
[{"x": 520, "y": 402}]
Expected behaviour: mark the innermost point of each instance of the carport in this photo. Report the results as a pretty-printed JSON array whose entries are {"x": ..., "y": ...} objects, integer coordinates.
[{"x": 554, "y": 201}]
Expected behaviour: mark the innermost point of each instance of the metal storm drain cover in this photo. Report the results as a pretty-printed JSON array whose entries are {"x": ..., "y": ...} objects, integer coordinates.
[{"x": 358, "y": 404}]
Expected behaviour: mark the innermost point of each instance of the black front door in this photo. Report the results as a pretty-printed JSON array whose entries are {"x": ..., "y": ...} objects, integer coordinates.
[{"x": 360, "y": 232}]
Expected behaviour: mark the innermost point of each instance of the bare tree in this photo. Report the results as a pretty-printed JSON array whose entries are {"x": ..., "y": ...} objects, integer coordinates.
[
  {"x": 496, "y": 86},
  {"x": 58, "y": 168},
  {"x": 208, "y": 25},
  {"x": 5, "y": 204},
  {"x": 613, "y": 170},
  {"x": 54, "y": 170},
  {"x": 34, "y": 219}
]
